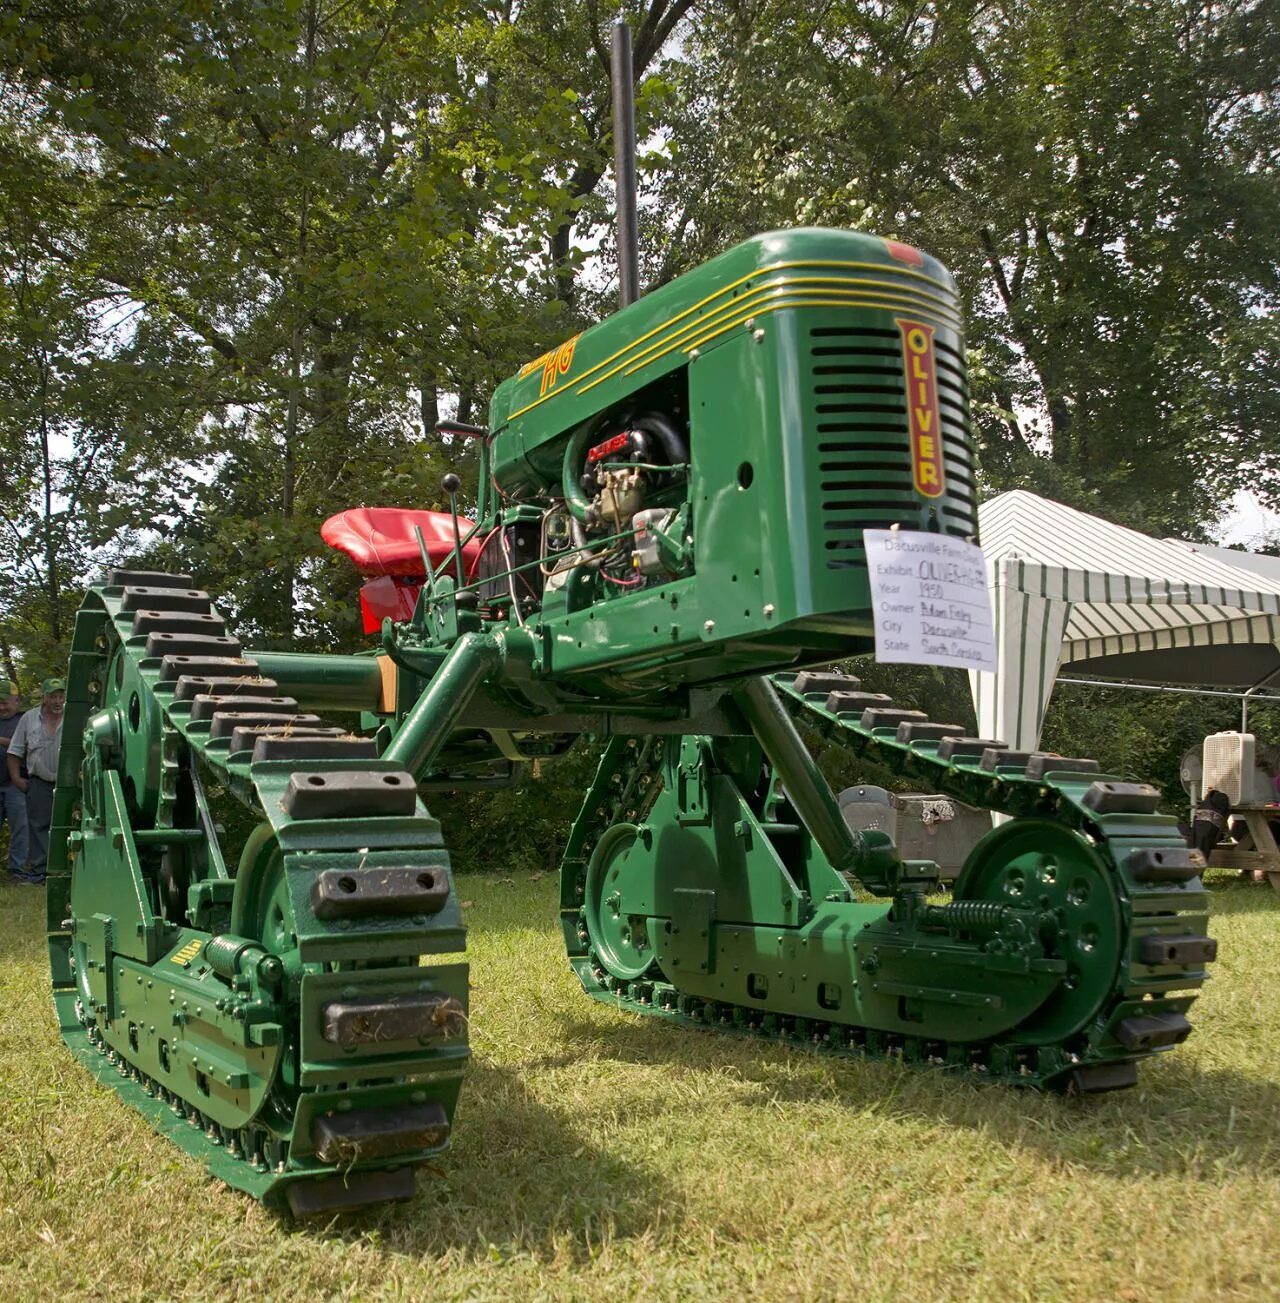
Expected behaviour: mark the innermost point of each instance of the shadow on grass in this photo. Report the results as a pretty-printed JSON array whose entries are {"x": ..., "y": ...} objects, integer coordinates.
[
  {"x": 1181, "y": 1120},
  {"x": 520, "y": 1179}
]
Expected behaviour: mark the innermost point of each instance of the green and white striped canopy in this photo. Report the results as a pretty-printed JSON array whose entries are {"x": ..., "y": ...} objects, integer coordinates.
[{"x": 1067, "y": 588}]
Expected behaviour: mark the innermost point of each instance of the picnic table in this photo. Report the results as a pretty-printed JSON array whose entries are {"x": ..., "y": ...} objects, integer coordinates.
[{"x": 1256, "y": 850}]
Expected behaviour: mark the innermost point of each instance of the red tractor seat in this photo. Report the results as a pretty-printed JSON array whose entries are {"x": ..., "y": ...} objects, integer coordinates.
[{"x": 381, "y": 541}]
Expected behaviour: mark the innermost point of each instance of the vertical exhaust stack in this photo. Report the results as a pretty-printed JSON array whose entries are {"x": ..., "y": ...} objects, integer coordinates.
[{"x": 624, "y": 166}]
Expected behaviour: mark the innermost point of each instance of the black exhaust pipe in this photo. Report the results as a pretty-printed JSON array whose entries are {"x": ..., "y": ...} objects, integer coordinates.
[{"x": 624, "y": 166}]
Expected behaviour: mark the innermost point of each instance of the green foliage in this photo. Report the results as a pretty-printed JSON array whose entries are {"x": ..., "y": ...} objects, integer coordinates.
[
  {"x": 1143, "y": 736},
  {"x": 301, "y": 226},
  {"x": 1109, "y": 229},
  {"x": 524, "y": 827},
  {"x": 88, "y": 420}
]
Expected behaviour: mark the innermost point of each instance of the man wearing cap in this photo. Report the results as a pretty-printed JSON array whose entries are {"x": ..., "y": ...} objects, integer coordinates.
[
  {"x": 13, "y": 802},
  {"x": 36, "y": 740}
]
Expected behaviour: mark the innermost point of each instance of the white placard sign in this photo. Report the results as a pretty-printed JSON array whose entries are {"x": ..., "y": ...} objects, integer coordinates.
[{"x": 929, "y": 596}]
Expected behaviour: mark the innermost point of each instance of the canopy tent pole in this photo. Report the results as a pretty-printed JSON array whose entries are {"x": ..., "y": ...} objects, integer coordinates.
[
  {"x": 1244, "y": 702},
  {"x": 1029, "y": 631},
  {"x": 1164, "y": 687},
  {"x": 1068, "y": 587}
]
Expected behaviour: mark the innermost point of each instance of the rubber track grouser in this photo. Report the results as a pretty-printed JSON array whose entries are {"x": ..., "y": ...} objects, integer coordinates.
[{"x": 668, "y": 544}]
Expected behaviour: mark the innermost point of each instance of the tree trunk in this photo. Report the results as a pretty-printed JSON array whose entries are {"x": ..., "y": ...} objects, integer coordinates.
[
  {"x": 52, "y": 587},
  {"x": 561, "y": 270},
  {"x": 289, "y": 568},
  {"x": 288, "y": 487},
  {"x": 429, "y": 406}
]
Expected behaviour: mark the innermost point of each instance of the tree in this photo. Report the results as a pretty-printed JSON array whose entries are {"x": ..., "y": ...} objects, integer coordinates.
[
  {"x": 88, "y": 410},
  {"x": 1108, "y": 227},
  {"x": 296, "y": 198}
]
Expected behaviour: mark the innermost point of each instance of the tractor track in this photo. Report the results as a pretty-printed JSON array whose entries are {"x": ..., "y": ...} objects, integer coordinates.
[
  {"x": 176, "y": 704},
  {"x": 1155, "y": 880}
]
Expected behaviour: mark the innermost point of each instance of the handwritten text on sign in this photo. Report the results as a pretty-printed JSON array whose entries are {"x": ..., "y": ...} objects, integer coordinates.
[{"x": 929, "y": 596}]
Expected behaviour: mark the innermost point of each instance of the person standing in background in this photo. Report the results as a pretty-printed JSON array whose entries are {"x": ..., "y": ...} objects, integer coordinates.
[
  {"x": 13, "y": 801},
  {"x": 37, "y": 740}
]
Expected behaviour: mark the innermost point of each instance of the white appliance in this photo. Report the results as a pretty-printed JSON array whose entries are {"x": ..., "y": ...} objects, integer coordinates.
[{"x": 1230, "y": 767}]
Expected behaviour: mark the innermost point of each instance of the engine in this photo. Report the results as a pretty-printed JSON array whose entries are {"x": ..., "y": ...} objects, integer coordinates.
[{"x": 725, "y": 441}]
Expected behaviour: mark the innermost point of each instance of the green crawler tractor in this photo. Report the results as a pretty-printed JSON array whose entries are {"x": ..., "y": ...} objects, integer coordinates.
[{"x": 667, "y": 547}]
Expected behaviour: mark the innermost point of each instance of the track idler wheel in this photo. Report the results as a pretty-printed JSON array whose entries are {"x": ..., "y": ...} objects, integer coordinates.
[
  {"x": 619, "y": 902},
  {"x": 1043, "y": 866}
]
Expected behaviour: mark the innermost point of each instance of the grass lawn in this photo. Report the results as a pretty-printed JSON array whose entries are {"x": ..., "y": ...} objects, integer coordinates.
[{"x": 598, "y": 1156}]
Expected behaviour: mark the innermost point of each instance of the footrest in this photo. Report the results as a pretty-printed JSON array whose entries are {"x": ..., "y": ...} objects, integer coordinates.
[
  {"x": 361, "y": 1137},
  {"x": 191, "y": 686},
  {"x": 349, "y": 794},
  {"x": 854, "y": 703},
  {"x": 192, "y": 644},
  {"x": 349, "y": 1191},
  {"x": 881, "y": 718},
  {"x": 145, "y": 622},
  {"x": 1185, "y": 950},
  {"x": 206, "y": 706},
  {"x": 225, "y": 722},
  {"x": 117, "y": 578},
  {"x": 1153, "y": 1031},
  {"x": 927, "y": 732},
  {"x": 378, "y": 891},
  {"x": 245, "y": 736},
  {"x": 1100, "y": 1077},
  {"x": 1042, "y": 763},
  {"x": 420, "y": 1015},
  {"x": 312, "y": 748}
]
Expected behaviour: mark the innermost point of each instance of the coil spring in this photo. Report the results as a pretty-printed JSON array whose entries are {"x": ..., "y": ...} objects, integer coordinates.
[{"x": 966, "y": 916}]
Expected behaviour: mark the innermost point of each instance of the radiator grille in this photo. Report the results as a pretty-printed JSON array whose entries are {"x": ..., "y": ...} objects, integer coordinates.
[{"x": 862, "y": 439}]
